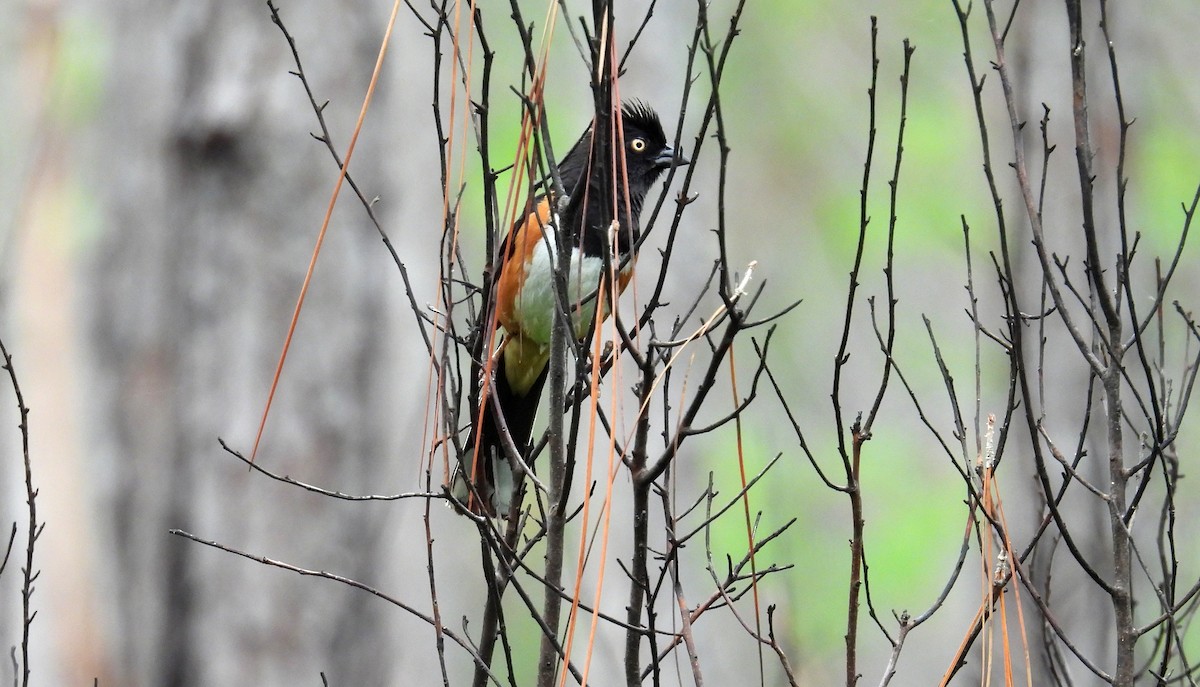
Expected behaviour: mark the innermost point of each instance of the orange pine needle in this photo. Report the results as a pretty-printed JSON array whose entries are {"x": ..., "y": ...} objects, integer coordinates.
[
  {"x": 434, "y": 394},
  {"x": 737, "y": 423},
  {"x": 587, "y": 502},
  {"x": 529, "y": 122},
  {"x": 998, "y": 572},
  {"x": 337, "y": 189}
]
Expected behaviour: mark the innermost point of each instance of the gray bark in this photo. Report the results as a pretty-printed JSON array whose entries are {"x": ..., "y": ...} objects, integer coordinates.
[{"x": 211, "y": 220}]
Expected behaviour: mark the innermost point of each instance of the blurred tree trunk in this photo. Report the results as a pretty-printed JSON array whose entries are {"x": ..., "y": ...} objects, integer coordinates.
[{"x": 210, "y": 221}]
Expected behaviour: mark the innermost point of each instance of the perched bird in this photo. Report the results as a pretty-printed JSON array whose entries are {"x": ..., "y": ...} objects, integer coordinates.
[{"x": 523, "y": 297}]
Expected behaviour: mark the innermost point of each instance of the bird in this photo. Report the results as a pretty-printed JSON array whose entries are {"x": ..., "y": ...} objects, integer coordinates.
[{"x": 522, "y": 301}]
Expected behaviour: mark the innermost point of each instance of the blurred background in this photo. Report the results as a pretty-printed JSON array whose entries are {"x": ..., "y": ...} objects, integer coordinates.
[{"x": 162, "y": 196}]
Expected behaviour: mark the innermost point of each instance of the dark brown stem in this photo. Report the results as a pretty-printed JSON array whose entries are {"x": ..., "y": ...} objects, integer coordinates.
[
  {"x": 34, "y": 530},
  {"x": 497, "y": 578},
  {"x": 434, "y": 605},
  {"x": 1122, "y": 553},
  {"x": 857, "y": 437},
  {"x": 851, "y": 461},
  {"x": 672, "y": 568},
  {"x": 556, "y": 516},
  {"x": 889, "y": 267},
  {"x": 642, "y": 483},
  {"x": 639, "y": 584}
]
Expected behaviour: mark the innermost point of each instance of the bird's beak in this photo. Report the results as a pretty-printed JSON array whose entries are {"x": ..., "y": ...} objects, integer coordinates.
[{"x": 668, "y": 158}]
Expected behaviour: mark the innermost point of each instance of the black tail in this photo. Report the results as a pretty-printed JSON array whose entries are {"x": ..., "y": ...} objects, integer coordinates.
[{"x": 494, "y": 484}]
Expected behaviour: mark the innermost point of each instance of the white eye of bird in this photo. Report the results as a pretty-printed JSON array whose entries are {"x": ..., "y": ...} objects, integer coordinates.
[{"x": 637, "y": 145}]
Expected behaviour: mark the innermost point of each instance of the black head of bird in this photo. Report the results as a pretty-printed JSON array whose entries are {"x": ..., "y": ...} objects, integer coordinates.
[{"x": 647, "y": 154}]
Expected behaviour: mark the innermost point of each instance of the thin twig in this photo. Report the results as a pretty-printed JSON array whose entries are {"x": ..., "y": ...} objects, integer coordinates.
[
  {"x": 29, "y": 575},
  {"x": 342, "y": 580}
]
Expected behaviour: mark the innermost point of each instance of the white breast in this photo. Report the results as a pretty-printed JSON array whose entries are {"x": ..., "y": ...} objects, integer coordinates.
[{"x": 535, "y": 302}]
